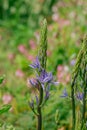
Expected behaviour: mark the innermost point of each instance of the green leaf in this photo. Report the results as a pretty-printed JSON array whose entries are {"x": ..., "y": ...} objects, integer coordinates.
[
  {"x": 4, "y": 108},
  {"x": 2, "y": 78}
]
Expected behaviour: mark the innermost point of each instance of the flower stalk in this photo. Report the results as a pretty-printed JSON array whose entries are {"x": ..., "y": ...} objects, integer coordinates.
[
  {"x": 43, "y": 79},
  {"x": 84, "y": 99},
  {"x": 39, "y": 116},
  {"x": 42, "y": 55},
  {"x": 74, "y": 78},
  {"x": 73, "y": 104},
  {"x": 85, "y": 83}
]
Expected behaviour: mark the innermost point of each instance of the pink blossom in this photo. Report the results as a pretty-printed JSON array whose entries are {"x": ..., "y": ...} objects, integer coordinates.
[
  {"x": 7, "y": 98},
  {"x": 32, "y": 44},
  {"x": 63, "y": 22},
  {"x": 60, "y": 68},
  {"x": 10, "y": 56},
  {"x": 49, "y": 53},
  {"x": 37, "y": 36},
  {"x": 22, "y": 49},
  {"x": 55, "y": 17},
  {"x": 30, "y": 57},
  {"x": 63, "y": 74},
  {"x": 19, "y": 73}
]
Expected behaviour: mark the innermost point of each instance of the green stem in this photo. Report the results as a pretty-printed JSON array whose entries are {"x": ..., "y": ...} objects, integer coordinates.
[
  {"x": 75, "y": 74},
  {"x": 42, "y": 55},
  {"x": 39, "y": 127},
  {"x": 73, "y": 104},
  {"x": 39, "y": 116},
  {"x": 84, "y": 98}
]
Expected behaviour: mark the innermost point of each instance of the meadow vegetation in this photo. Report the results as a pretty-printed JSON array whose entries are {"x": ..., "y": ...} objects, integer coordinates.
[{"x": 20, "y": 23}]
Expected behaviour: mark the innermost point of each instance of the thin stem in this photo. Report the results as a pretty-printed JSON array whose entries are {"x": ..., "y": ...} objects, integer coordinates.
[
  {"x": 75, "y": 74},
  {"x": 84, "y": 99},
  {"x": 39, "y": 116},
  {"x": 73, "y": 103},
  {"x": 39, "y": 127},
  {"x": 42, "y": 55}
]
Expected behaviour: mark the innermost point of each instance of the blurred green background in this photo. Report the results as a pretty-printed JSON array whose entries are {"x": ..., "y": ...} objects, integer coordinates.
[{"x": 20, "y": 22}]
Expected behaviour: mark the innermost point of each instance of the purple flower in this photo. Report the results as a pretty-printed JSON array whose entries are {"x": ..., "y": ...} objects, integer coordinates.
[
  {"x": 65, "y": 94},
  {"x": 72, "y": 62},
  {"x": 46, "y": 78},
  {"x": 42, "y": 76},
  {"x": 35, "y": 64},
  {"x": 79, "y": 96},
  {"x": 33, "y": 82}
]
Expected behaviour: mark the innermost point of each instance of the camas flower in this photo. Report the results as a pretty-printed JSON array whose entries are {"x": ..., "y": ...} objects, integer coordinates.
[
  {"x": 33, "y": 82},
  {"x": 65, "y": 94},
  {"x": 35, "y": 64},
  {"x": 46, "y": 78},
  {"x": 43, "y": 78},
  {"x": 79, "y": 96}
]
